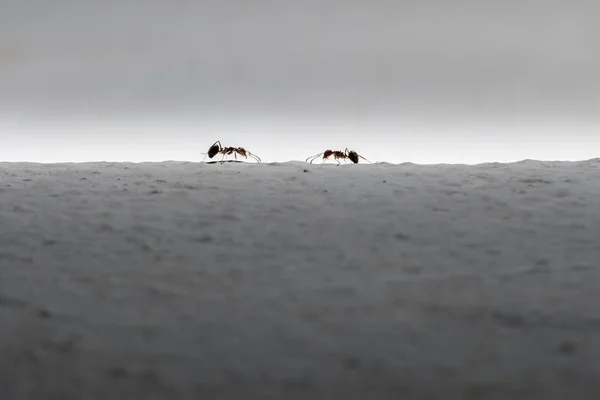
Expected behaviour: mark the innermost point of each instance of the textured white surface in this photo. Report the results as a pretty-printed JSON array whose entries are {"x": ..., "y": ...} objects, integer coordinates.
[{"x": 183, "y": 280}]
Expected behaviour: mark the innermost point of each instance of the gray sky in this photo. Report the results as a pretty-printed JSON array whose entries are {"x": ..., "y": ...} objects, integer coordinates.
[{"x": 287, "y": 77}]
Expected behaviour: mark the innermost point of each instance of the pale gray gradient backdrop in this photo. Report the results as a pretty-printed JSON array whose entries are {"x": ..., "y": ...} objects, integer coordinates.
[{"x": 423, "y": 81}]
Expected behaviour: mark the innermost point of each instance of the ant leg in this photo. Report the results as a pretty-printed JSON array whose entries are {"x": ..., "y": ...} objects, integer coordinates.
[
  {"x": 257, "y": 158},
  {"x": 328, "y": 157}
]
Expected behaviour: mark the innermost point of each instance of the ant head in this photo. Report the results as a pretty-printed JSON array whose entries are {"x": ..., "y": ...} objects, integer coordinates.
[
  {"x": 353, "y": 156},
  {"x": 213, "y": 151}
]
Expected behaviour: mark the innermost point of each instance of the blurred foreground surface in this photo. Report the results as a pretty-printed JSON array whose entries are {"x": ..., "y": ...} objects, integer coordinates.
[{"x": 183, "y": 280}]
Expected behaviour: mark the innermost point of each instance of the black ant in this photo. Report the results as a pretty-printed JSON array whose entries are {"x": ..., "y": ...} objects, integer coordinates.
[
  {"x": 216, "y": 148},
  {"x": 337, "y": 155}
]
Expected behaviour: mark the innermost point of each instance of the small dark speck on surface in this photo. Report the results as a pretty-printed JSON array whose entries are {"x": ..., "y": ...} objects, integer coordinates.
[
  {"x": 64, "y": 346},
  {"x": 118, "y": 373},
  {"x": 205, "y": 239},
  {"x": 567, "y": 348},
  {"x": 509, "y": 320},
  {"x": 542, "y": 262},
  {"x": 401, "y": 236},
  {"x": 352, "y": 363},
  {"x": 412, "y": 269}
]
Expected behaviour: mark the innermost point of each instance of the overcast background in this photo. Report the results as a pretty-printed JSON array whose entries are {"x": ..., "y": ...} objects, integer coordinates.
[{"x": 422, "y": 81}]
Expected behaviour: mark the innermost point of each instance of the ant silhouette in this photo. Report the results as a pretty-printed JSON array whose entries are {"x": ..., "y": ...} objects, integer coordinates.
[
  {"x": 217, "y": 148},
  {"x": 337, "y": 155}
]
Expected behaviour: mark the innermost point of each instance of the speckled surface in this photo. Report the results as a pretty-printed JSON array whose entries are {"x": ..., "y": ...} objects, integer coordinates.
[{"x": 185, "y": 280}]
